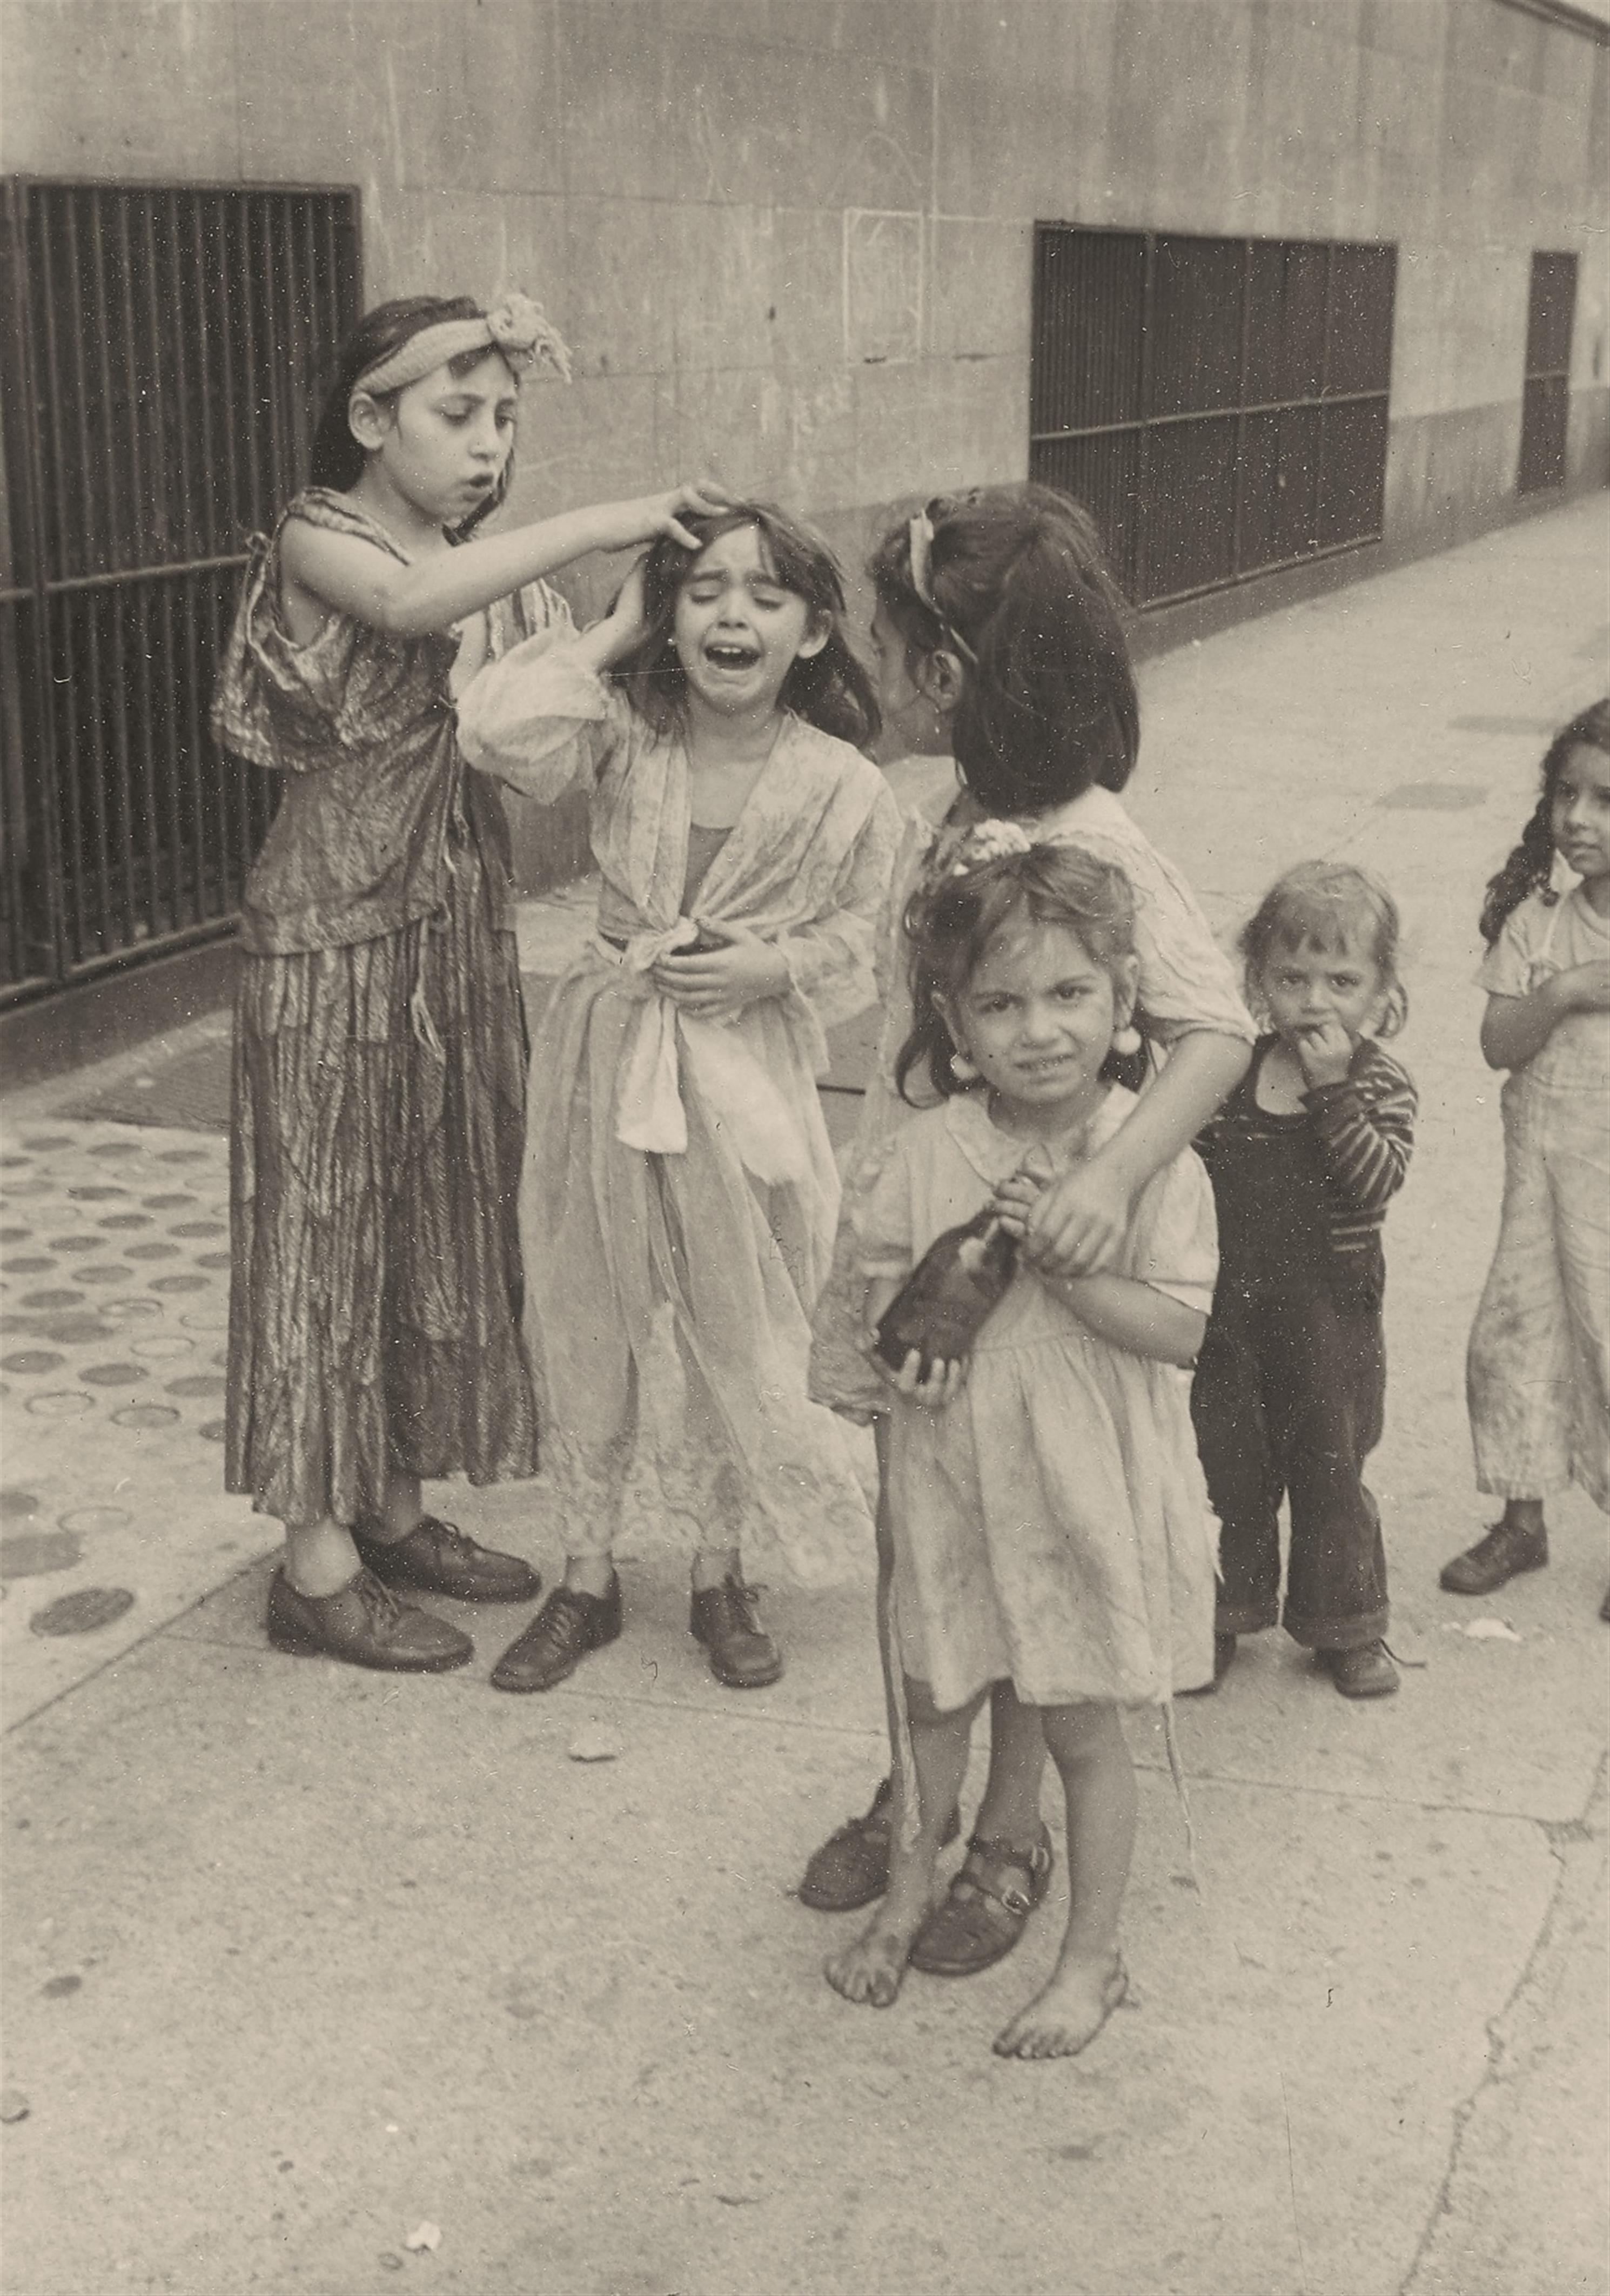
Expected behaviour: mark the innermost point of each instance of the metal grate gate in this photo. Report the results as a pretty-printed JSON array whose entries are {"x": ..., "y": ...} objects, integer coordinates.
[
  {"x": 1546, "y": 401},
  {"x": 1219, "y": 404},
  {"x": 156, "y": 395}
]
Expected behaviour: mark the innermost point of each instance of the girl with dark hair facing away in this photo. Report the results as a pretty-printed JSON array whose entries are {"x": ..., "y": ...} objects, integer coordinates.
[
  {"x": 1046, "y": 1512},
  {"x": 1538, "y": 1371},
  {"x": 679, "y": 1195},
  {"x": 1305, "y": 1156},
  {"x": 997, "y": 626},
  {"x": 378, "y": 1050}
]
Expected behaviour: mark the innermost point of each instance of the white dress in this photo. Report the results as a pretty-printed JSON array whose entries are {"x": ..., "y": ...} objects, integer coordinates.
[
  {"x": 679, "y": 1193},
  {"x": 1538, "y": 1371},
  {"x": 1051, "y": 1526}
]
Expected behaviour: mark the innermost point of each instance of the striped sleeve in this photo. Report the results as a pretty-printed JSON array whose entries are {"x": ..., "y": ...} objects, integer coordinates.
[{"x": 1366, "y": 1127}]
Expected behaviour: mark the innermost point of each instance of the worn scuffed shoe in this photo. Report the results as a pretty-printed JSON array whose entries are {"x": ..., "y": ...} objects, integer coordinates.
[
  {"x": 569, "y": 1625},
  {"x": 851, "y": 1868},
  {"x": 724, "y": 1619},
  {"x": 1365, "y": 1672},
  {"x": 365, "y": 1624},
  {"x": 437, "y": 1558},
  {"x": 1494, "y": 1559}
]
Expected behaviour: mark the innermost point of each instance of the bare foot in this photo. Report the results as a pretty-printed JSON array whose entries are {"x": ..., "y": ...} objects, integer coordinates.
[
  {"x": 1072, "y": 2009},
  {"x": 871, "y": 1969}
]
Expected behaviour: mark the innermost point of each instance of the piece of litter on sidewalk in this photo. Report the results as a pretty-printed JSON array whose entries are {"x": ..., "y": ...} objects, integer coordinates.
[
  {"x": 1482, "y": 1631},
  {"x": 14, "y": 2105},
  {"x": 424, "y": 2236},
  {"x": 596, "y": 1743}
]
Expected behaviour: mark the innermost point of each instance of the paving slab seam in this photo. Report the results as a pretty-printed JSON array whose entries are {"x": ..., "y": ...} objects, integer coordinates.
[
  {"x": 125, "y": 1651},
  {"x": 1506, "y": 2041}
]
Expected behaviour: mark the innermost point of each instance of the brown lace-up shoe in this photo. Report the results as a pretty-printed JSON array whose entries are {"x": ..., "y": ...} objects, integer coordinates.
[
  {"x": 1494, "y": 1559},
  {"x": 741, "y": 1653},
  {"x": 437, "y": 1558},
  {"x": 365, "y": 1624},
  {"x": 569, "y": 1625}
]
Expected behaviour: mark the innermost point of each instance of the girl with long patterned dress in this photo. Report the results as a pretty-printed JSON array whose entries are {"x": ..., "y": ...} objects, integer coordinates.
[{"x": 375, "y": 1292}]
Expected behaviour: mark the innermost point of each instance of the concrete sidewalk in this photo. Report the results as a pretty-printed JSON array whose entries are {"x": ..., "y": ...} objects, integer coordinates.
[{"x": 299, "y": 1958}]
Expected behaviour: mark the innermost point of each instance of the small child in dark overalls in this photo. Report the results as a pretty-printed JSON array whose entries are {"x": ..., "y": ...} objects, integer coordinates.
[{"x": 1290, "y": 1387}]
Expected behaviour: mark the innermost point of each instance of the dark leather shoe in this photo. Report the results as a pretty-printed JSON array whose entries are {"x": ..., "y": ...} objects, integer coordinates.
[
  {"x": 987, "y": 1909},
  {"x": 365, "y": 1625},
  {"x": 1365, "y": 1672},
  {"x": 569, "y": 1625},
  {"x": 436, "y": 1558},
  {"x": 1493, "y": 1561},
  {"x": 741, "y": 1653},
  {"x": 851, "y": 1868}
]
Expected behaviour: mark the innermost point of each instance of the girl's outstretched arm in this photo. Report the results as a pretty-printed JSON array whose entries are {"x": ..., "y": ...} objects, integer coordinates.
[
  {"x": 1081, "y": 1221},
  {"x": 357, "y": 578},
  {"x": 1135, "y": 1316},
  {"x": 1515, "y": 1028}
]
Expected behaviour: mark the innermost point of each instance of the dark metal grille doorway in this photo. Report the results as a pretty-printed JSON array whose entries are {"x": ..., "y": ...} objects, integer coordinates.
[
  {"x": 1219, "y": 404},
  {"x": 1546, "y": 402},
  {"x": 159, "y": 367}
]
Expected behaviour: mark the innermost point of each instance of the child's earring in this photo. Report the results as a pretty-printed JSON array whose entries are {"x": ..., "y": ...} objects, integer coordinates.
[
  {"x": 1127, "y": 1039},
  {"x": 962, "y": 1068}
]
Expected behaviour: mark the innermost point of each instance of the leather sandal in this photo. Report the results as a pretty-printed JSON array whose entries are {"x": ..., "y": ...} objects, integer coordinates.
[
  {"x": 851, "y": 1868},
  {"x": 987, "y": 1908}
]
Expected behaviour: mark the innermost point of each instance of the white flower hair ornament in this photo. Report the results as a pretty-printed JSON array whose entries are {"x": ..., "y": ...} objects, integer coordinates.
[
  {"x": 514, "y": 325},
  {"x": 991, "y": 841},
  {"x": 523, "y": 332}
]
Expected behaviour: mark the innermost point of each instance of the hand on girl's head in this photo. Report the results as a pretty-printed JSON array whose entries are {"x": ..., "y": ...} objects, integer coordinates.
[{"x": 704, "y": 499}]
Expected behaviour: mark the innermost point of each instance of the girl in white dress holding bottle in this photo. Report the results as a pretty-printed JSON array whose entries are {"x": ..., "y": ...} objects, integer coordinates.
[{"x": 1049, "y": 1522}]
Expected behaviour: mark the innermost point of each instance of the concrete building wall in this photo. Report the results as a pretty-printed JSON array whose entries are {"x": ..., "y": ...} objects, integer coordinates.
[{"x": 790, "y": 240}]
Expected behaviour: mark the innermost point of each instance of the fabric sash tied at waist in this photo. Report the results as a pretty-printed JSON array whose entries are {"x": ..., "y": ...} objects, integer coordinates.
[{"x": 742, "y": 1099}]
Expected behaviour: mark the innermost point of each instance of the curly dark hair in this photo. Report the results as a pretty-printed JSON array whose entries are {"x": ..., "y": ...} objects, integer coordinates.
[
  {"x": 829, "y": 689},
  {"x": 338, "y": 461},
  {"x": 1021, "y": 589},
  {"x": 951, "y": 921},
  {"x": 1531, "y": 863}
]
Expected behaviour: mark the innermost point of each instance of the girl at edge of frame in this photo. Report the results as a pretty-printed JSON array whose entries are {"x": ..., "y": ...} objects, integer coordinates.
[
  {"x": 379, "y": 1040},
  {"x": 680, "y": 1191},
  {"x": 998, "y": 632},
  {"x": 1290, "y": 1392},
  {"x": 1538, "y": 1370},
  {"x": 1047, "y": 1515}
]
